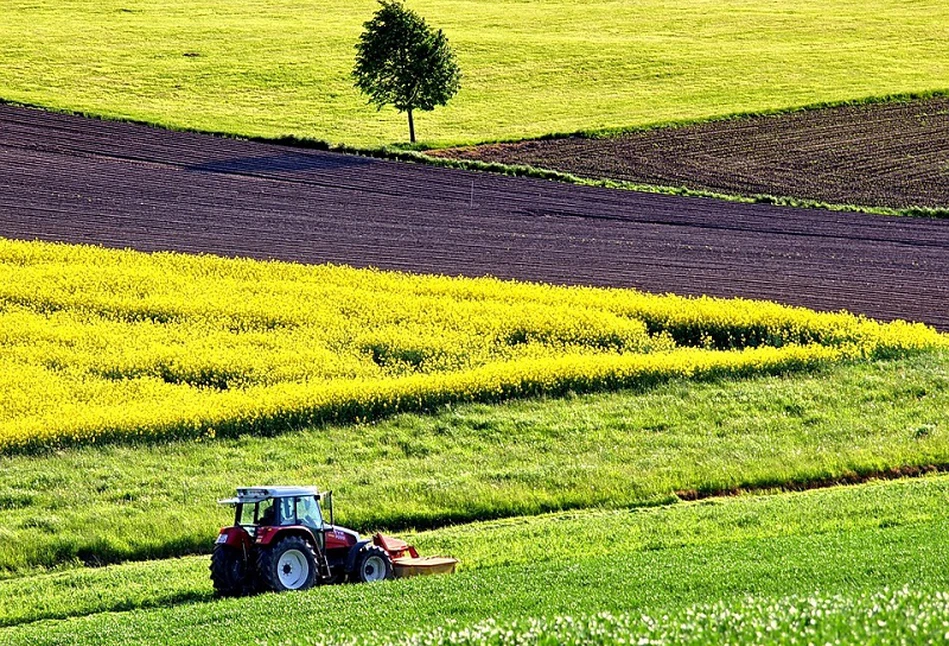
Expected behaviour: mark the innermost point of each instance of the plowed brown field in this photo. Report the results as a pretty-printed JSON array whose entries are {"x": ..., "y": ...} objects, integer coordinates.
[
  {"x": 122, "y": 185},
  {"x": 886, "y": 154}
]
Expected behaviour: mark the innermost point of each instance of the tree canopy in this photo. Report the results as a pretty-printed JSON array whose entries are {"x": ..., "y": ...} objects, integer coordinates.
[{"x": 402, "y": 61}]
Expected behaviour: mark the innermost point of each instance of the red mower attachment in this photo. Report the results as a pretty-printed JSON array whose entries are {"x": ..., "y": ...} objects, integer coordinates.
[{"x": 395, "y": 547}]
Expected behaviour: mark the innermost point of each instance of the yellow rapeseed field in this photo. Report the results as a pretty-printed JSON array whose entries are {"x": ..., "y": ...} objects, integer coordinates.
[{"x": 99, "y": 344}]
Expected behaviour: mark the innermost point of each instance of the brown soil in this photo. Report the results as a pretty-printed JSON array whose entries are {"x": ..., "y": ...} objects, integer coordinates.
[
  {"x": 885, "y": 154},
  {"x": 122, "y": 185}
]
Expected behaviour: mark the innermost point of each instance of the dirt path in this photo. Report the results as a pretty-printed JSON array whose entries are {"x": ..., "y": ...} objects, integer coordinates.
[
  {"x": 122, "y": 185},
  {"x": 888, "y": 154}
]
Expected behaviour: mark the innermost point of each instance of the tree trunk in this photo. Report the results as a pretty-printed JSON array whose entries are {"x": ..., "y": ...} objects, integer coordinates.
[{"x": 411, "y": 127}]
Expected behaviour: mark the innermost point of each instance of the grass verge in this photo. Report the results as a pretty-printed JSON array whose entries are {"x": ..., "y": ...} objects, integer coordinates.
[{"x": 520, "y": 170}]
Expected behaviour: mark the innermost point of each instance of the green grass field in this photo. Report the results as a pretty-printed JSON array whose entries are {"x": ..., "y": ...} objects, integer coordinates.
[
  {"x": 902, "y": 616},
  {"x": 655, "y": 561},
  {"x": 530, "y": 68},
  {"x": 473, "y": 462}
]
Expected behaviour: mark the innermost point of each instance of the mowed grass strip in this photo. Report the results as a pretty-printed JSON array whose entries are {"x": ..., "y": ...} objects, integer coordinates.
[
  {"x": 472, "y": 462},
  {"x": 530, "y": 68},
  {"x": 648, "y": 560}
]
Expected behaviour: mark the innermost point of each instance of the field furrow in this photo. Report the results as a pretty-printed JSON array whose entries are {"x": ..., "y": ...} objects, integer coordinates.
[
  {"x": 885, "y": 155},
  {"x": 123, "y": 185}
]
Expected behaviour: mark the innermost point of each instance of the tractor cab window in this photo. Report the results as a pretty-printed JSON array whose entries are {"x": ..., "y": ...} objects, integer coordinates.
[
  {"x": 246, "y": 514},
  {"x": 308, "y": 512},
  {"x": 286, "y": 511},
  {"x": 266, "y": 513},
  {"x": 261, "y": 513}
]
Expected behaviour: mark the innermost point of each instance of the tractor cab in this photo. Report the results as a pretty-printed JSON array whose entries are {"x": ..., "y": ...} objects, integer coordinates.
[{"x": 261, "y": 507}]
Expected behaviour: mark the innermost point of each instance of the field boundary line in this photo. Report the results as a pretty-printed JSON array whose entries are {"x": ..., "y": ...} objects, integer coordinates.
[
  {"x": 420, "y": 155},
  {"x": 614, "y": 131}
]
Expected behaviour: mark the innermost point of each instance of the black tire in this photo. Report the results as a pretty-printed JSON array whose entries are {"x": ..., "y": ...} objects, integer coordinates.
[
  {"x": 372, "y": 564},
  {"x": 288, "y": 564},
  {"x": 229, "y": 571}
]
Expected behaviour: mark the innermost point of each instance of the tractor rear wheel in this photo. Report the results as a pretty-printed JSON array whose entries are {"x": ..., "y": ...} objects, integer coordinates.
[
  {"x": 289, "y": 564},
  {"x": 372, "y": 564},
  {"x": 229, "y": 571}
]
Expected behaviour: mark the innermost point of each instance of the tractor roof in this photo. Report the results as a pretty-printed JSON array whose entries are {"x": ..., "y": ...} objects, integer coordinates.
[{"x": 257, "y": 494}]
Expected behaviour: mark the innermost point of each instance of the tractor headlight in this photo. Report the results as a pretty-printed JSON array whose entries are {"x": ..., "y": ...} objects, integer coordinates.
[{"x": 222, "y": 538}]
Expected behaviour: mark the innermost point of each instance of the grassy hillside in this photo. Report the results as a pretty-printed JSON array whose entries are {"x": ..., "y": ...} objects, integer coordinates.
[
  {"x": 530, "y": 68},
  {"x": 473, "y": 462},
  {"x": 653, "y": 561}
]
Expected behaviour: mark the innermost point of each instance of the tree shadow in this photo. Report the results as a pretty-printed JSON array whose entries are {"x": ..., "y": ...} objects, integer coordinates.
[{"x": 290, "y": 162}]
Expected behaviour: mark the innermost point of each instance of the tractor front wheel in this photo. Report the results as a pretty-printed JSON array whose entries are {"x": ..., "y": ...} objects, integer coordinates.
[
  {"x": 289, "y": 564},
  {"x": 229, "y": 571},
  {"x": 372, "y": 564}
]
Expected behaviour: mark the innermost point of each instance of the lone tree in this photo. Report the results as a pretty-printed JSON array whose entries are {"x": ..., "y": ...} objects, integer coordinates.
[{"x": 402, "y": 61}]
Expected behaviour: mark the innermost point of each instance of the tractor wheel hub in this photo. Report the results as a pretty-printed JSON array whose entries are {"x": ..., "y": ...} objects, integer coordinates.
[{"x": 293, "y": 569}]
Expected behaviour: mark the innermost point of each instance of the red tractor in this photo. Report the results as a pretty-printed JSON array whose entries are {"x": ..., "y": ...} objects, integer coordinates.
[{"x": 281, "y": 541}]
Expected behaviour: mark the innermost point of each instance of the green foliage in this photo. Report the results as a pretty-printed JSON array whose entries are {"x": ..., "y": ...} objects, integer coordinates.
[
  {"x": 531, "y": 67},
  {"x": 402, "y": 61},
  {"x": 473, "y": 462},
  {"x": 655, "y": 561}
]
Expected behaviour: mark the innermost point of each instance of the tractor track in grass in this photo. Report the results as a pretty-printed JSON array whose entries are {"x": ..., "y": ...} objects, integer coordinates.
[
  {"x": 77, "y": 180},
  {"x": 827, "y": 482}
]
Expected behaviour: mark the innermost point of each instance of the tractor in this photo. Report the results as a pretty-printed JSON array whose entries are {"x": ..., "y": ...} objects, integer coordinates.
[{"x": 281, "y": 541}]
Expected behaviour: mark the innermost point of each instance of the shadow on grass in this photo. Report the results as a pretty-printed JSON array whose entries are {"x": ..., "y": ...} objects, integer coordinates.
[{"x": 168, "y": 601}]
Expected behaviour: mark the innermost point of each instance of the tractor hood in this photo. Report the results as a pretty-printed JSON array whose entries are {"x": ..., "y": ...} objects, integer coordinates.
[{"x": 337, "y": 536}]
